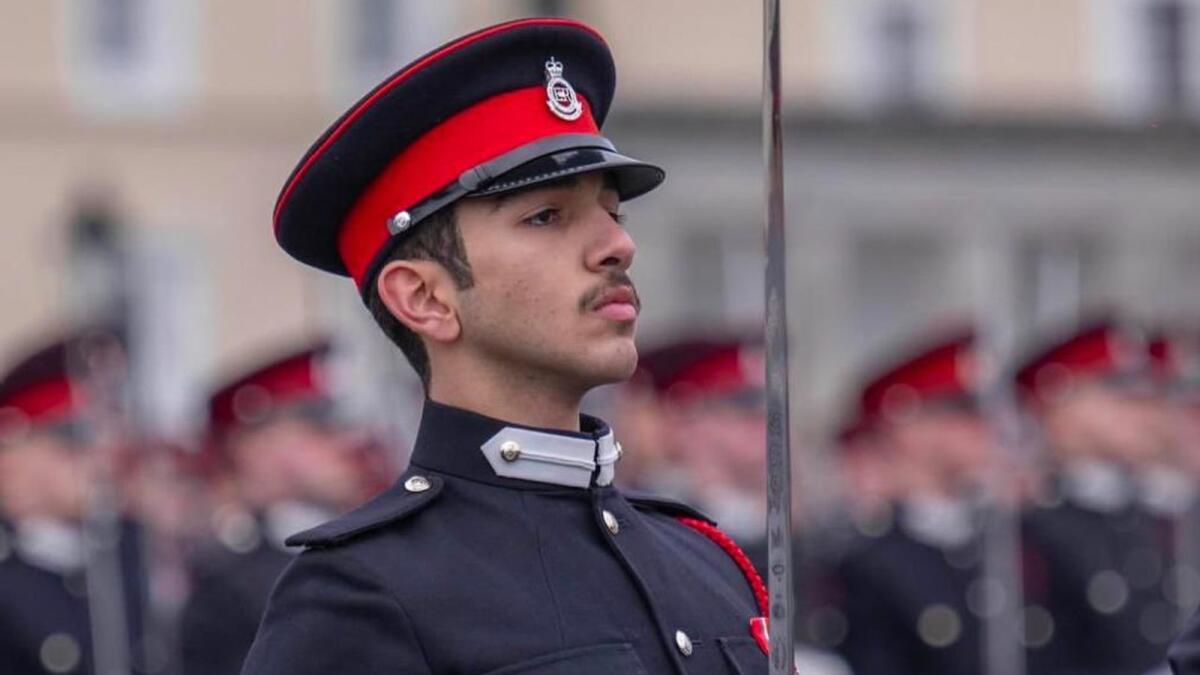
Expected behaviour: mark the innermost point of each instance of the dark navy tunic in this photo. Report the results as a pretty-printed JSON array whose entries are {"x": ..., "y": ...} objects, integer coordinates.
[
  {"x": 475, "y": 574},
  {"x": 44, "y": 622},
  {"x": 905, "y": 601},
  {"x": 229, "y": 595}
]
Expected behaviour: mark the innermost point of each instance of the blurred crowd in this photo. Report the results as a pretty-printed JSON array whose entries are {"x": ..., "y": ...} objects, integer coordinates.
[{"x": 1039, "y": 514}]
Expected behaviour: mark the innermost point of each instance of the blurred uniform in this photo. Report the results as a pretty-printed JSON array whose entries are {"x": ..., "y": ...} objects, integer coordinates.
[
  {"x": 45, "y": 625},
  {"x": 711, "y": 402},
  {"x": 1178, "y": 357},
  {"x": 906, "y": 591},
  {"x": 290, "y": 468},
  {"x": 1097, "y": 582}
]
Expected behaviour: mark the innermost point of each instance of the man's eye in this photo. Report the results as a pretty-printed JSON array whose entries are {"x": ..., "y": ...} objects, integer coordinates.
[
  {"x": 617, "y": 216},
  {"x": 543, "y": 218}
]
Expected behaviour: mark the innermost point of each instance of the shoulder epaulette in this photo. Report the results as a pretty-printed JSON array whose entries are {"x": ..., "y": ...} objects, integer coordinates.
[
  {"x": 672, "y": 507},
  {"x": 395, "y": 504}
]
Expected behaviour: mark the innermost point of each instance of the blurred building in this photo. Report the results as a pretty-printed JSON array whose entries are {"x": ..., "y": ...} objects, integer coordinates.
[{"x": 945, "y": 157}]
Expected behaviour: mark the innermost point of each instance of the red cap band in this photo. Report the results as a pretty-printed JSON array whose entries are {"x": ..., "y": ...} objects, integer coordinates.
[
  {"x": 474, "y": 136},
  {"x": 43, "y": 402},
  {"x": 278, "y": 385}
]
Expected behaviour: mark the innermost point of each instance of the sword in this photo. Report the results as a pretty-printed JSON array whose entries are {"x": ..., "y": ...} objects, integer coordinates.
[{"x": 779, "y": 472}]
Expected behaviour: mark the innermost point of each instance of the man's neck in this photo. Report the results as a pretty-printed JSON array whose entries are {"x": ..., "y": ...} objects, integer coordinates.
[{"x": 522, "y": 398}]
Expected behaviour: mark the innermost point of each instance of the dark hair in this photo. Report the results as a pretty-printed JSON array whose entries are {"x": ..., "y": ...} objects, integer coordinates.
[{"x": 436, "y": 238}]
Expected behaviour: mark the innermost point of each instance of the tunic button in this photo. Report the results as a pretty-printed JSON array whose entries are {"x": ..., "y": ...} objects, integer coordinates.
[
  {"x": 417, "y": 484},
  {"x": 683, "y": 642},
  {"x": 610, "y": 521},
  {"x": 510, "y": 451}
]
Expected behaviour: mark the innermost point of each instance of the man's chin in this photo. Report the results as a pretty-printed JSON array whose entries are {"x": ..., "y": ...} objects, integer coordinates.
[{"x": 616, "y": 364}]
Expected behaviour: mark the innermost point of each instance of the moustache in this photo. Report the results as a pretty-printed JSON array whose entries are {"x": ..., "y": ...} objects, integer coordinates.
[{"x": 613, "y": 279}]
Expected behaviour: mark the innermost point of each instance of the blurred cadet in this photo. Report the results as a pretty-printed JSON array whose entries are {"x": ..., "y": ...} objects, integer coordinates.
[
  {"x": 711, "y": 404},
  {"x": 1096, "y": 582},
  {"x": 906, "y": 588},
  {"x": 47, "y": 455},
  {"x": 475, "y": 204},
  {"x": 291, "y": 466},
  {"x": 1169, "y": 484},
  {"x": 871, "y": 484},
  {"x": 1179, "y": 355},
  {"x": 708, "y": 412}
]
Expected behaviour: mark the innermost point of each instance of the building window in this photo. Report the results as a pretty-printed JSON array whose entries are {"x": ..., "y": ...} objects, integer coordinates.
[
  {"x": 1167, "y": 27},
  {"x": 371, "y": 39},
  {"x": 897, "y": 56},
  {"x": 1146, "y": 58},
  {"x": 550, "y": 7},
  {"x": 899, "y": 40},
  {"x": 722, "y": 272},
  {"x": 117, "y": 31},
  {"x": 900, "y": 283},
  {"x": 130, "y": 58}
]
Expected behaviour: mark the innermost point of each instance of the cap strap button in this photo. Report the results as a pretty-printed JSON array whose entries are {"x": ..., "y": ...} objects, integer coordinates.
[
  {"x": 399, "y": 222},
  {"x": 417, "y": 484}
]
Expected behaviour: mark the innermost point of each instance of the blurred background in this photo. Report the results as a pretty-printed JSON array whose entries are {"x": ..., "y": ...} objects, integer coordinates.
[{"x": 1017, "y": 166}]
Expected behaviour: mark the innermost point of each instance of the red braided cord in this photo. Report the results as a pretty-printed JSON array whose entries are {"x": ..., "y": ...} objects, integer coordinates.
[{"x": 739, "y": 557}]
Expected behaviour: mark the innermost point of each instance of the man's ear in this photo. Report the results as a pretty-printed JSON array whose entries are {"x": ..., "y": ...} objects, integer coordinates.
[{"x": 422, "y": 296}]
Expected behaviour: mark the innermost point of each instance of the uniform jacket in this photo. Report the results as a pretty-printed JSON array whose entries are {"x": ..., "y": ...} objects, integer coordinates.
[
  {"x": 1106, "y": 585},
  {"x": 44, "y": 621},
  {"x": 458, "y": 570},
  {"x": 1184, "y": 655},
  {"x": 905, "y": 601},
  {"x": 228, "y": 597}
]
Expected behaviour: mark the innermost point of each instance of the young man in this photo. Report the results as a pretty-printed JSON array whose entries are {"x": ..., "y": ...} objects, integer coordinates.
[{"x": 475, "y": 204}]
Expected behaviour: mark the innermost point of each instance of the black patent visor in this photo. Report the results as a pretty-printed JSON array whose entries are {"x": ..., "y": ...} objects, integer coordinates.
[{"x": 547, "y": 160}]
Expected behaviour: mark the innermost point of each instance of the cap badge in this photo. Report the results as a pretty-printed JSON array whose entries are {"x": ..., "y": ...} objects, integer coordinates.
[{"x": 560, "y": 95}]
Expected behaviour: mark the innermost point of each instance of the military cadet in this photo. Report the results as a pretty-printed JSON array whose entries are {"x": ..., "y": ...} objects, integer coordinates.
[
  {"x": 1096, "y": 580},
  {"x": 45, "y": 452},
  {"x": 712, "y": 401},
  {"x": 1168, "y": 485},
  {"x": 474, "y": 202},
  {"x": 1180, "y": 356},
  {"x": 907, "y": 591},
  {"x": 291, "y": 467}
]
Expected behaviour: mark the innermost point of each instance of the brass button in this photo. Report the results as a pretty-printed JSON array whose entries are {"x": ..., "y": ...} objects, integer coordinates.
[
  {"x": 510, "y": 451},
  {"x": 683, "y": 642},
  {"x": 417, "y": 484},
  {"x": 610, "y": 521}
]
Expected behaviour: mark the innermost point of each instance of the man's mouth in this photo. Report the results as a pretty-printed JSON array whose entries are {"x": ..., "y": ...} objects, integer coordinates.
[{"x": 618, "y": 303}]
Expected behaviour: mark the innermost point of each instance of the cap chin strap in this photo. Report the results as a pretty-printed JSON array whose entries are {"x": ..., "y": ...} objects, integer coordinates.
[{"x": 471, "y": 180}]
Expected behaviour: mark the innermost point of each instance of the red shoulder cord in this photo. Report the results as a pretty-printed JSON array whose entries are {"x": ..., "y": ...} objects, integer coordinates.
[{"x": 739, "y": 557}]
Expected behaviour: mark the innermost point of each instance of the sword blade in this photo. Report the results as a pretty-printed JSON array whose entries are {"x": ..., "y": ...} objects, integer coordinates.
[{"x": 779, "y": 483}]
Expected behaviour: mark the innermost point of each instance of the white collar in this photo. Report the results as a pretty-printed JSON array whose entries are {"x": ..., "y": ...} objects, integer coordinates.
[
  {"x": 545, "y": 457},
  {"x": 942, "y": 522},
  {"x": 283, "y": 519},
  {"x": 1165, "y": 491},
  {"x": 50, "y": 544},
  {"x": 1096, "y": 485}
]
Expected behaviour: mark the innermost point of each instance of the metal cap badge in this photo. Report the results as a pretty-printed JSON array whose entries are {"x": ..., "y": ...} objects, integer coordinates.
[{"x": 560, "y": 95}]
